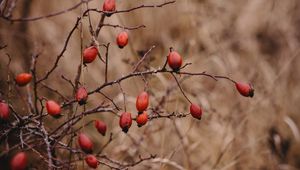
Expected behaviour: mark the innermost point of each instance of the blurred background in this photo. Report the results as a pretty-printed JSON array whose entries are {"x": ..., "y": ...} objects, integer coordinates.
[{"x": 253, "y": 41}]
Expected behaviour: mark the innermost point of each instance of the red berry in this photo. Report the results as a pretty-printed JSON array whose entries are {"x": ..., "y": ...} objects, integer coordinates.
[
  {"x": 85, "y": 143},
  {"x": 142, "y": 101},
  {"x": 125, "y": 121},
  {"x": 19, "y": 161},
  {"x": 245, "y": 89},
  {"x": 122, "y": 39},
  {"x": 174, "y": 60},
  {"x": 142, "y": 119},
  {"x": 109, "y": 6},
  {"x": 92, "y": 161},
  {"x": 23, "y": 79},
  {"x": 53, "y": 108},
  {"x": 4, "y": 111},
  {"x": 196, "y": 111},
  {"x": 90, "y": 54},
  {"x": 100, "y": 126},
  {"x": 81, "y": 95}
]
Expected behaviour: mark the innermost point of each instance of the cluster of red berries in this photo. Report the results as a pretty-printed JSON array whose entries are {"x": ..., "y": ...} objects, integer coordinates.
[{"x": 19, "y": 160}]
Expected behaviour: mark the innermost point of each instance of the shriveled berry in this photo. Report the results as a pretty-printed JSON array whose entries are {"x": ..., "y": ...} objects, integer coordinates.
[
  {"x": 19, "y": 161},
  {"x": 90, "y": 54},
  {"x": 81, "y": 95},
  {"x": 53, "y": 108},
  {"x": 245, "y": 89},
  {"x": 23, "y": 79},
  {"x": 174, "y": 60},
  {"x": 85, "y": 143},
  {"x": 92, "y": 161},
  {"x": 4, "y": 111},
  {"x": 109, "y": 6},
  {"x": 196, "y": 111},
  {"x": 122, "y": 39},
  {"x": 125, "y": 121},
  {"x": 142, "y": 101},
  {"x": 100, "y": 126},
  {"x": 142, "y": 119}
]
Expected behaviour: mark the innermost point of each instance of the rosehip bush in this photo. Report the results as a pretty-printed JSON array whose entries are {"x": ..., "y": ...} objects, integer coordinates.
[{"x": 67, "y": 140}]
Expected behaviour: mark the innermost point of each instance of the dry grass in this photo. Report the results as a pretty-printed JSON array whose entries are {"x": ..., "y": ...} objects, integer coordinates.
[{"x": 255, "y": 41}]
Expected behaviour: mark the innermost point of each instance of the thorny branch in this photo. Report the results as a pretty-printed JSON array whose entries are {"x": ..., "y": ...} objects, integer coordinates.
[{"x": 34, "y": 133}]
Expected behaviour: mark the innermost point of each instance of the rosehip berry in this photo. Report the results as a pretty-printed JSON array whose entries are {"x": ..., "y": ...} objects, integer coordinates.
[
  {"x": 174, "y": 60},
  {"x": 142, "y": 101},
  {"x": 245, "y": 89},
  {"x": 122, "y": 39},
  {"x": 19, "y": 161},
  {"x": 4, "y": 111},
  {"x": 196, "y": 111},
  {"x": 23, "y": 79},
  {"x": 92, "y": 161},
  {"x": 109, "y": 6},
  {"x": 142, "y": 119},
  {"x": 53, "y": 108},
  {"x": 125, "y": 121},
  {"x": 90, "y": 54},
  {"x": 85, "y": 143},
  {"x": 100, "y": 126},
  {"x": 81, "y": 95}
]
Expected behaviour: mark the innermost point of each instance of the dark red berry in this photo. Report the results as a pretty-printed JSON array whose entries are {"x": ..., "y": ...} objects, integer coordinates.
[
  {"x": 109, "y": 6},
  {"x": 23, "y": 79},
  {"x": 19, "y": 161},
  {"x": 174, "y": 60},
  {"x": 142, "y": 119},
  {"x": 92, "y": 161},
  {"x": 245, "y": 89},
  {"x": 53, "y": 108},
  {"x": 81, "y": 95},
  {"x": 125, "y": 121},
  {"x": 196, "y": 111},
  {"x": 122, "y": 39},
  {"x": 4, "y": 111},
  {"x": 142, "y": 101},
  {"x": 85, "y": 143},
  {"x": 90, "y": 54},
  {"x": 100, "y": 126}
]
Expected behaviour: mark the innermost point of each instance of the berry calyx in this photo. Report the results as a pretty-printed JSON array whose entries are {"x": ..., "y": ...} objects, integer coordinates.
[
  {"x": 122, "y": 39},
  {"x": 125, "y": 121},
  {"x": 245, "y": 89},
  {"x": 19, "y": 161},
  {"x": 85, "y": 143},
  {"x": 81, "y": 95},
  {"x": 53, "y": 108},
  {"x": 90, "y": 54},
  {"x": 174, "y": 60},
  {"x": 142, "y": 119},
  {"x": 100, "y": 126},
  {"x": 23, "y": 79},
  {"x": 108, "y": 7},
  {"x": 196, "y": 111},
  {"x": 142, "y": 101},
  {"x": 4, "y": 111},
  {"x": 92, "y": 161}
]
